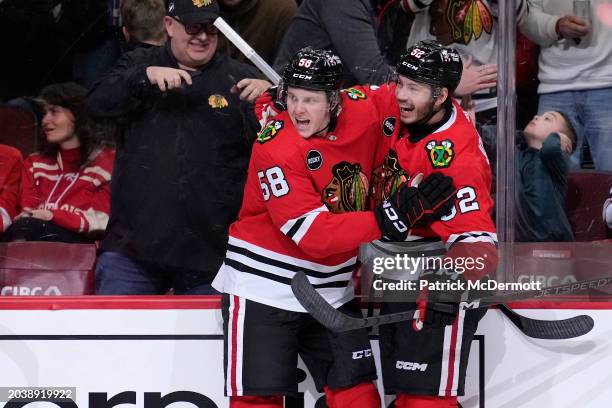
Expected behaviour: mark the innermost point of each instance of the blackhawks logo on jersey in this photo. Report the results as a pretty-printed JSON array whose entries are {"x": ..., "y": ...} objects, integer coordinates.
[
  {"x": 355, "y": 94},
  {"x": 440, "y": 155},
  {"x": 270, "y": 131},
  {"x": 387, "y": 178},
  {"x": 348, "y": 189}
]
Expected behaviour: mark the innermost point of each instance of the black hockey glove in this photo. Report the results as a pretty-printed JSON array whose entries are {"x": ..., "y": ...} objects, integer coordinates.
[
  {"x": 415, "y": 206},
  {"x": 438, "y": 304}
]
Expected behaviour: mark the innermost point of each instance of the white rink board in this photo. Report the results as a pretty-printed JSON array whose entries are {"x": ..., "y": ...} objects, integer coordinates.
[{"x": 164, "y": 351}]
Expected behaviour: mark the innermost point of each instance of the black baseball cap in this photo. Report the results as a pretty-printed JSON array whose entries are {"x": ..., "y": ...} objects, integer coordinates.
[{"x": 193, "y": 11}]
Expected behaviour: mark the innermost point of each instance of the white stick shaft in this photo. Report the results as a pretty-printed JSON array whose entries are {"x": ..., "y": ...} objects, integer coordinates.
[{"x": 246, "y": 49}]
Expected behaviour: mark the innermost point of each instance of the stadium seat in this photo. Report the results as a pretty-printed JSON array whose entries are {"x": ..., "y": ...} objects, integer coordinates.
[
  {"x": 46, "y": 268},
  {"x": 587, "y": 191},
  {"x": 18, "y": 129}
]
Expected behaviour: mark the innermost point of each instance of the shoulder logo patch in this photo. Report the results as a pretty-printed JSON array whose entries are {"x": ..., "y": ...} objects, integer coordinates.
[
  {"x": 440, "y": 155},
  {"x": 217, "y": 101},
  {"x": 355, "y": 94},
  {"x": 388, "y": 125},
  {"x": 270, "y": 131},
  {"x": 314, "y": 160}
]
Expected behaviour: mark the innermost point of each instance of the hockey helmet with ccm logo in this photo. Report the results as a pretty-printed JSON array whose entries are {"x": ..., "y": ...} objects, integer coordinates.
[
  {"x": 431, "y": 63},
  {"x": 317, "y": 70}
]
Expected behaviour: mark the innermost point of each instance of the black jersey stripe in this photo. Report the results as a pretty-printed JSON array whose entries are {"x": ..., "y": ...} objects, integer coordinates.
[
  {"x": 294, "y": 229},
  {"x": 468, "y": 235},
  {"x": 280, "y": 279},
  {"x": 283, "y": 265}
]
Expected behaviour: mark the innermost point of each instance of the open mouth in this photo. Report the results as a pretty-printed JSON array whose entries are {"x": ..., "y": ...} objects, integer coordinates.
[{"x": 302, "y": 124}]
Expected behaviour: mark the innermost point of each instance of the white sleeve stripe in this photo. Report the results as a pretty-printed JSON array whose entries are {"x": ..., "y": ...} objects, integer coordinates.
[
  {"x": 472, "y": 236},
  {"x": 297, "y": 237},
  {"x": 291, "y": 223},
  {"x": 6, "y": 219}
]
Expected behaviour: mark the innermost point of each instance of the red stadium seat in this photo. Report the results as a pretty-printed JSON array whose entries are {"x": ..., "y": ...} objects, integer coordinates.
[
  {"x": 587, "y": 191},
  {"x": 46, "y": 268},
  {"x": 18, "y": 129}
]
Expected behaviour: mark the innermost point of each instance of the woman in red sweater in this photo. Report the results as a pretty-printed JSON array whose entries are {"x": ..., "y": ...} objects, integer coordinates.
[{"x": 65, "y": 187}]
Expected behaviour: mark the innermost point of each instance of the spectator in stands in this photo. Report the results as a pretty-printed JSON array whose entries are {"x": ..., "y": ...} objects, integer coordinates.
[
  {"x": 348, "y": 28},
  {"x": 65, "y": 187},
  {"x": 542, "y": 160},
  {"x": 470, "y": 27},
  {"x": 143, "y": 23},
  {"x": 182, "y": 157},
  {"x": 261, "y": 23},
  {"x": 11, "y": 164},
  {"x": 576, "y": 71}
]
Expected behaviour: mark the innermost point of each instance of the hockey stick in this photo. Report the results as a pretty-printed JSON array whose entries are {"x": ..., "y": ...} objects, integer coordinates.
[
  {"x": 549, "y": 329},
  {"x": 337, "y": 321}
]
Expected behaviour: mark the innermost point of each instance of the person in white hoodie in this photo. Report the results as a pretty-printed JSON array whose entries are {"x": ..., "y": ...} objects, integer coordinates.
[{"x": 575, "y": 70}]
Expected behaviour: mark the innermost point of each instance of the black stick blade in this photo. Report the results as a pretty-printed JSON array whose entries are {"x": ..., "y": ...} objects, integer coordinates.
[
  {"x": 333, "y": 319},
  {"x": 315, "y": 304},
  {"x": 550, "y": 329}
]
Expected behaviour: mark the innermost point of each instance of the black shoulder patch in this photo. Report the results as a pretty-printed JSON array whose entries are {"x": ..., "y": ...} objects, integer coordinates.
[
  {"x": 314, "y": 160},
  {"x": 270, "y": 131},
  {"x": 388, "y": 125}
]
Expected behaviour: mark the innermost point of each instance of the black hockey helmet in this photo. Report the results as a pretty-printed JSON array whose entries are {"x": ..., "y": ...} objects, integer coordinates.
[
  {"x": 318, "y": 70},
  {"x": 433, "y": 64}
]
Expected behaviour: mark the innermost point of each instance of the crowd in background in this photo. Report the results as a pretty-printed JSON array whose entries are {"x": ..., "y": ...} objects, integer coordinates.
[{"x": 89, "y": 71}]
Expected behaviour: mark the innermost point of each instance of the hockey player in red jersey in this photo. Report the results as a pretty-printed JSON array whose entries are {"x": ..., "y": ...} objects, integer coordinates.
[
  {"x": 305, "y": 208},
  {"x": 435, "y": 135}
]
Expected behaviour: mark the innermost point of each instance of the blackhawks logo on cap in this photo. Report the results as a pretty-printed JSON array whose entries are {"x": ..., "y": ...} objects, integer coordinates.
[
  {"x": 270, "y": 131},
  {"x": 440, "y": 155},
  {"x": 217, "y": 101},
  {"x": 202, "y": 3}
]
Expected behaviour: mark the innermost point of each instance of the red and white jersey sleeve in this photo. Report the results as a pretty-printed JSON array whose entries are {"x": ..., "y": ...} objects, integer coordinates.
[{"x": 11, "y": 164}]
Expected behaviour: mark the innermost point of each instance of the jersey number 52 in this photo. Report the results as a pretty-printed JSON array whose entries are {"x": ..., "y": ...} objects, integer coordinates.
[{"x": 466, "y": 198}]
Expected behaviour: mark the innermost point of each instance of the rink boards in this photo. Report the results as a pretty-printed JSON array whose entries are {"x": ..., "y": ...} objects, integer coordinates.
[{"x": 151, "y": 351}]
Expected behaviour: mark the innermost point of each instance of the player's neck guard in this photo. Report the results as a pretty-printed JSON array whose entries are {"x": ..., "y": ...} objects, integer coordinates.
[{"x": 418, "y": 131}]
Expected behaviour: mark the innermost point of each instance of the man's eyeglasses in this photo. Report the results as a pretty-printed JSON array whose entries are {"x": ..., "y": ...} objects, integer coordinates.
[{"x": 197, "y": 28}]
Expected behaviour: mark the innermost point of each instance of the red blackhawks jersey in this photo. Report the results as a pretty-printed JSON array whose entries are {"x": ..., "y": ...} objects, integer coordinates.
[
  {"x": 77, "y": 195},
  {"x": 305, "y": 205},
  {"x": 11, "y": 163},
  {"x": 454, "y": 149}
]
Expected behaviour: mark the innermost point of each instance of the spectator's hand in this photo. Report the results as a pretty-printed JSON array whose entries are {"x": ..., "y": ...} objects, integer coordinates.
[
  {"x": 469, "y": 107},
  {"x": 251, "y": 88},
  {"x": 475, "y": 79},
  {"x": 168, "y": 78},
  {"x": 267, "y": 107},
  {"x": 572, "y": 27},
  {"x": 25, "y": 213},
  {"x": 566, "y": 143},
  {"x": 43, "y": 215}
]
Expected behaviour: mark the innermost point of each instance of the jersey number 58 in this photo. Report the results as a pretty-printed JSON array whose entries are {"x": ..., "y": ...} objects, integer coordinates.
[{"x": 274, "y": 181}]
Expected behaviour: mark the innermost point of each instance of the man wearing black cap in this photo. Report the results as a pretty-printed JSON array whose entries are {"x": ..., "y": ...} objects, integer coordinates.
[{"x": 182, "y": 157}]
